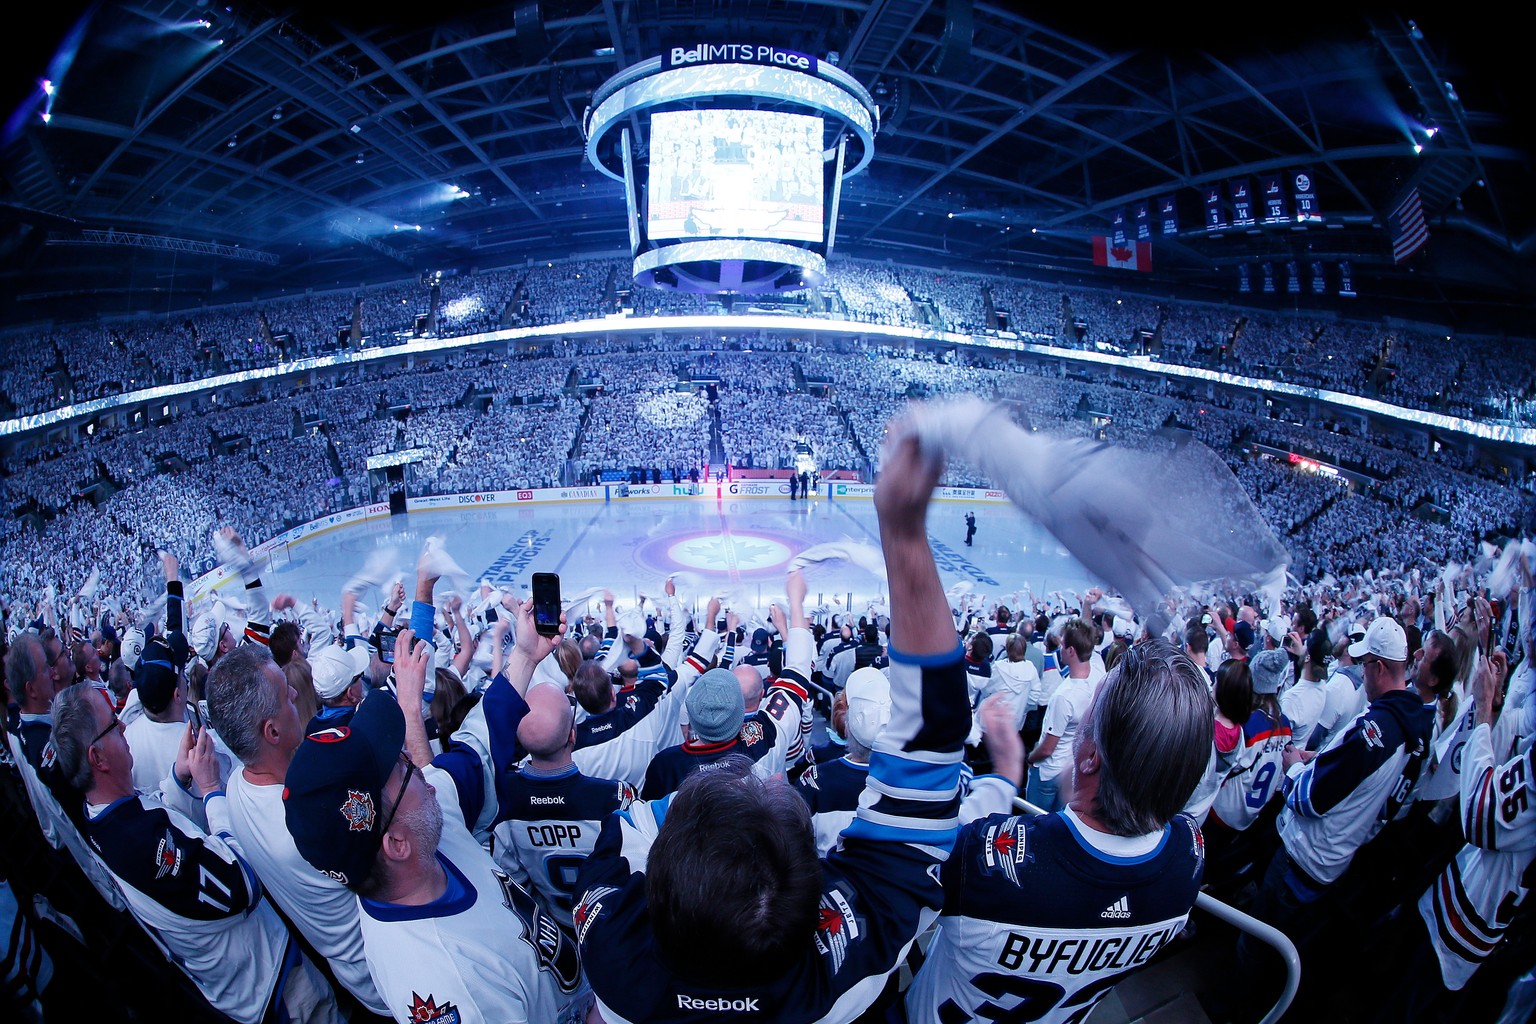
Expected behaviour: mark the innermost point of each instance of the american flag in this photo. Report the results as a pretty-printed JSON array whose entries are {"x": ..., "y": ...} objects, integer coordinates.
[{"x": 1409, "y": 230}]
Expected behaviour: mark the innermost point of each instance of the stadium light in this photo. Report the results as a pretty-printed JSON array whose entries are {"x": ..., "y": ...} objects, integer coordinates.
[
  {"x": 47, "y": 117},
  {"x": 47, "y": 87},
  {"x": 1417, "y": 149}
]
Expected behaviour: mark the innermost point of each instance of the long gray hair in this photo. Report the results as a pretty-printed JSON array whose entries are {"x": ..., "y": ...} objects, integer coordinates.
[{"x": 1153, "y": 722}]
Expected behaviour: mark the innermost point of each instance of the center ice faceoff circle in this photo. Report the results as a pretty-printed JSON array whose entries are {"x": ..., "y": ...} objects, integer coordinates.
[{"x": 725, "y": 553}]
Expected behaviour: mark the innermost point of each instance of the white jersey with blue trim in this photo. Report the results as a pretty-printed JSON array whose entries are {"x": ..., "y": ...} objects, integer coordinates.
[
  {"x": 1338, "y": 801},
  {"x": 1042, "y": 915},
  {"x": 481, "y": 952}
]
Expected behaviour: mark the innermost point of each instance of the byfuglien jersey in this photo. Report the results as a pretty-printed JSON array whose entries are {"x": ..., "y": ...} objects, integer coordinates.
[{"x": 1041, "y": 916}]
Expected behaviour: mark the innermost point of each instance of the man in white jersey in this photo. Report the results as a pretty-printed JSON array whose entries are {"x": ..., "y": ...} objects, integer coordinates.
[
  {"x": 251, "y": 703},
  {"x": 191, "y": 890},
  {"x": 448, "y": 935},
  {"x": 1043, "y": 914}
]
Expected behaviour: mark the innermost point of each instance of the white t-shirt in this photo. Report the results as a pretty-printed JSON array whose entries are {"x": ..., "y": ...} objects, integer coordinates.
[
  {"x": 1303, "y": 704},
  {"x": 322, "y": 908},
  {"x": 154, "y": 745},
  {"x": 1343, "y": 701},
  {"x": 1062, "y": 716}
]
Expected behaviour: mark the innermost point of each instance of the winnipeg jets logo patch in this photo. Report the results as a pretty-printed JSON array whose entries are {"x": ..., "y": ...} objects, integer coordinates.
[
  {"x": 589, "y": 908},
  {"x": 1370, "y": 731},
  {"x": 1003, "y": 848},
  {"x": 358, "y": 810},
  {"x": 836, "y": 927},
  {"x": 426, "y": 1011},
  {"x": 167, "y": 857}
]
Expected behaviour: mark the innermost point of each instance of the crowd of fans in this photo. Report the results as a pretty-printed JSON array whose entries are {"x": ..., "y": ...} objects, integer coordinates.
[
  {"x": 1346, "y": 757},
  {"x": 1414, "y": 366}
]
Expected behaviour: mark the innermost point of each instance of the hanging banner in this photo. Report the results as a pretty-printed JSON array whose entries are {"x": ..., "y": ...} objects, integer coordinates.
[
  {"x": 1143, "y": 214},
  {"x": 1269, "y": 278},
  {"x": 1346, "y": 280},
  {"x": 1215, "y": 216},
  {"x": 1292, "y": 278},
  {"x": 1130, "y": 256},
  {"x": 1272, "y": 193},
  {"x": 1242, "y": 202},
  {"x": 1118, "y": 237},
  {"x": 1304, "y": 196},
  {"x": 1243, "y": 284},
  {"x": 1319, "y": 283},
  {"x": 1168, "y": 215}
]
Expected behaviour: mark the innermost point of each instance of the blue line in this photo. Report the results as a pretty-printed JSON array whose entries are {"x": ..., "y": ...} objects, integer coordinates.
[
  {"x": 572, "y": 549},
  {"x": 842, "y": 506}
]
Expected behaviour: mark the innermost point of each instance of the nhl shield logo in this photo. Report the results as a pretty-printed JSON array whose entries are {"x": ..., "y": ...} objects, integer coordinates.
[{"x": 358, "y": 810}]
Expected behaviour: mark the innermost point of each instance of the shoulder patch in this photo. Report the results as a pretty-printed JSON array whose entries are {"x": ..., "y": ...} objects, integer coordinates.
[
  {"x": 752, "y": 733},
  {"x": 1003, "y": 847},
  {"x": 589, "y": 908},
  {"x": 1370, "y": 731},
  {"x": 168, "y": 856},
  {"x": 836, "y": 927}
]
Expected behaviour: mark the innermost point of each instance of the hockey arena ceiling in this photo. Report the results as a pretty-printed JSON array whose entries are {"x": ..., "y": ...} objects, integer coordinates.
[{"x": 247, "y": 150}]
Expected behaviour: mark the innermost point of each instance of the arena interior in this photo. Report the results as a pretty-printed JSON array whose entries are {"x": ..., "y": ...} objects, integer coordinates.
[{"x": 1224, "y": 333}]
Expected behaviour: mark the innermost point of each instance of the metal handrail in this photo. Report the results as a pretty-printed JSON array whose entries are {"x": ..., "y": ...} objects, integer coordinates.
[{"x": 1265, "y": 933}]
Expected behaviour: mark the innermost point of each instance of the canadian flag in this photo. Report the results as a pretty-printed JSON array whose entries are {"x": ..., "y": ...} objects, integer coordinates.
[{"x": 1127, "y": 256}]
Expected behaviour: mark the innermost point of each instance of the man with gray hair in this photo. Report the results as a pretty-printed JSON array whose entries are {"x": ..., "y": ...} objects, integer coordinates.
[
  {"x": 1042, "y": 914},
  {"x": 252, "y": 706},
  {"x": 191, "y": 890},
  {"x": 32, "y": 685}
]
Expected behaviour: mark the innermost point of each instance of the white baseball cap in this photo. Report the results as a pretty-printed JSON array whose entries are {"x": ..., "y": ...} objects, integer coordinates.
[
  {"x": 334, "y": 668},
  {"x": 132, "y": 647},
  {"x": 1277, "y": 628},
  {"x": 869, "y": 704},
  {"x": 1385, "y": 639}
]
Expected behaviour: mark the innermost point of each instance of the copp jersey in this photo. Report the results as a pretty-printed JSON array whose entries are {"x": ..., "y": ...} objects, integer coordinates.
[
  {"x": 1042, "y": 915},
  {"x": 550, "y": 824}
]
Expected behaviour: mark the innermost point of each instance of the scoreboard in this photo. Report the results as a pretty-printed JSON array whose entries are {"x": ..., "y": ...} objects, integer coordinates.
[{"x": 732, "y": 157}]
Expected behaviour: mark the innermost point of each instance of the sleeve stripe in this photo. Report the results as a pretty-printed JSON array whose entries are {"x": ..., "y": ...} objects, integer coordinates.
[{"x": 902, "y": 773}]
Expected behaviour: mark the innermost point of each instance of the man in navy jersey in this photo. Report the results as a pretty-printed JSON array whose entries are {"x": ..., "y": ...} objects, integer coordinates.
[
  {"x": 1043, "y": 914},
  {"x": 676, "y": 924},
  {"x": 552, "y": 813}
]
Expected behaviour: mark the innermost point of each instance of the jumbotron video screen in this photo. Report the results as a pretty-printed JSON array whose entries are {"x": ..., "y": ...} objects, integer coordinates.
[{"x": 735, "y": 174}]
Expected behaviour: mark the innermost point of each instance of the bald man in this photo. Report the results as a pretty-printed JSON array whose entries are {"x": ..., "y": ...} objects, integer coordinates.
[
  {"x": 778, "y": 718},
  {"x": 551, "y": 813}
]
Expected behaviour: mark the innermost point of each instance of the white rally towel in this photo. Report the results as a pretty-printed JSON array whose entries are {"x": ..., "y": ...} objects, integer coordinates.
[
  {"x": 1144, "y": 522},
  {"x": 865, "y": 556}
]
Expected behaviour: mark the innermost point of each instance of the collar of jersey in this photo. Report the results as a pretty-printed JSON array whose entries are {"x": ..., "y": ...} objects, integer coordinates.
[
  {"x": 109, "y": 808},
  {"x": 458, "y": 897},
  {"x": 528, "y": 771},
  {"x": 701, "y": 747},
  {"x": 1095, "y": 846}
]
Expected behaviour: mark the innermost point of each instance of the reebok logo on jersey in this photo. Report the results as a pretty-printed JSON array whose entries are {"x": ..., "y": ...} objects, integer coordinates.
[
  {"x": 601, "y": 728},
  {"x": 1119, "y": 910},
  {"x": 686, "y": 1002},
  {"x": 546, "y": 800}
]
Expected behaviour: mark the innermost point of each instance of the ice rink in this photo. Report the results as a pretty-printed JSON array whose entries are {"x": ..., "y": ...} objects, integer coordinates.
[{"x": 630, "y": 545}]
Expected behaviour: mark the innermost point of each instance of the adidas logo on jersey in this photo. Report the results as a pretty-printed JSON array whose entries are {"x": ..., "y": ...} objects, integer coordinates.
[{"x": 1119, "y": 910}]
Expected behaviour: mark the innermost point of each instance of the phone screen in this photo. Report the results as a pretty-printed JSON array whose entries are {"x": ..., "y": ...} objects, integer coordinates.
[
  {"x": 546, "y": 603},
  {"x": 195, "y": 714},
  {"x": 387, "y": 648}
]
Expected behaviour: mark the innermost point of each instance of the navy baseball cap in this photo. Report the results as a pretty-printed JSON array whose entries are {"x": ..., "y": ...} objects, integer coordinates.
[
  {"x": 334, "y": 793},
  {"x": 156, "y": 676},
  {"x": 760, "y": 640}
]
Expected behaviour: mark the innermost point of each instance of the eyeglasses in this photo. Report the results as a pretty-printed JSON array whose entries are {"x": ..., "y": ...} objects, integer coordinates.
[
  {"x": 388, "y": 819},
  {"x": 116, "y": 723}
]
